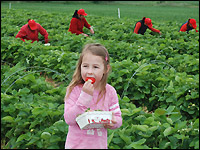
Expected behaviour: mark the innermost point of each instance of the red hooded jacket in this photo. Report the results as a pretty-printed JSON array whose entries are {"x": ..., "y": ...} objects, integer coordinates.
[
  {"x": 187, "y": 28},
  {"x": 28, "y": 34},
  {"x": 76, "y": 25},
  {"x": 138, "y": 26}
]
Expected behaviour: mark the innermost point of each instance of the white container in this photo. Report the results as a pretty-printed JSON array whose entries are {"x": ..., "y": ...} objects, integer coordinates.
[{"x": 94, "y": 119}]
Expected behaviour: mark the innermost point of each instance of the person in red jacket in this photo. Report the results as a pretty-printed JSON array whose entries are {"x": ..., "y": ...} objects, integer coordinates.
[
  {"x": 78, "y": 21},
  {"x": 30, "y": 32},
  {"x": 188, "y": 25},
  {"x": 142, "y": 25}
]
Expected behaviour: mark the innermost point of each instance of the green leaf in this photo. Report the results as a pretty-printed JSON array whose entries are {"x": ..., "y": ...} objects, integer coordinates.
[
  {"x": 170, "y": 120},
  {"x": 168, "y": 131},
  {"x": 137, "y": 144},
  {"x": 39, "y": 144},
  {"x": 119, "y": 79},
  {"x": 136, "y": 110},
  {"x": 196, "y": 145},
  {"x": 140, "y": 83},
  {"x": 125, "y": 138},
  {"x": 37, "y": 110},
  {"x": 160, "y": 112},
  {"x": 30, "y": 77},
  {"x": 110, "y": 138},
  {"x": 117, "y": 140},
  {"x": 143, "y": 128},
  {"x": 33, "y": 140},
  {"x": 177, "y": 78},
  {"x": 45, "y": 135},
  {"x": 23, "y": 91},
  {"x": 138, "y": 95},
  {"x": 125, "y": 111},
  {"x": 180, "y": 125},
  {"x": 21, "y": 137},
  {"x": 60, "y": 125},
  {"x": 55, "y": 138},
  {"x": 153, "y": 128},
  {"x": 149, "y": 120},
  {"x": 170, "y": 109},
  {"x": 170, "y": 88},
  {"x": 170, "y": 99},
  {"x": 164, "y": 144},
  {"x": 176, "y": 117},
  {"x": 196, "y": 123},
  {"x": 126, "y": 99},
  {"x": 162, "y": 79},
  {"x": 179, "y": 136},
  {"x": 28, "y": 98},
  {"x": 8, "y": 119},
  {"x": 33, "y": 124}
]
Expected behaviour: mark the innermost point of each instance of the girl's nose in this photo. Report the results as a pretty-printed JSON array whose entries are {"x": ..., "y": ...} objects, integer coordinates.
[{"x": 90, "y": 71}]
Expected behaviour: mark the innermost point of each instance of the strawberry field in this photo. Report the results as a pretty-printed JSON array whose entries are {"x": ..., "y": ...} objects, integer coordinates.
[{"x": 156, "y": 78}]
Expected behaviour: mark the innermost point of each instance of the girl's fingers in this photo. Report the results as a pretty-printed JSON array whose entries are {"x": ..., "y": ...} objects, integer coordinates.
[
  {"x": 108, "y": 125},
  {"x": 113, "y": 118},
  {"x": 89, "y": 82},
  {"x": 114, "y": 122},
  {"x": 88, "y": 87}
]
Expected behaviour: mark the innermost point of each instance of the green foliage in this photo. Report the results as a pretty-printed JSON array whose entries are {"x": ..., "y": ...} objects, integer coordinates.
[
  {"x": 156, "y": 77},
  {"x": 161, "y": 129},
  {"x": 29, "y": 109}
]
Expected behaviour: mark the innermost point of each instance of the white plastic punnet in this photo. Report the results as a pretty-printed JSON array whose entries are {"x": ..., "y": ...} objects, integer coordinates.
[{"x": 94, "y": 119}]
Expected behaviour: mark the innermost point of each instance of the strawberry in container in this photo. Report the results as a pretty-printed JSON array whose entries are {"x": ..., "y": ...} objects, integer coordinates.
[{"x": 94, "y": 119}]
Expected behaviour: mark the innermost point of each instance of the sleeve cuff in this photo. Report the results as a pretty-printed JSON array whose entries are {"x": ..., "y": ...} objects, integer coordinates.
[{"x": 84, "y": 99}]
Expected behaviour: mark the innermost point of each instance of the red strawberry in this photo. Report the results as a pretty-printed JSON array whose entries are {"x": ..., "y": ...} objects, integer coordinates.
[{"x": 90, "y": 78}]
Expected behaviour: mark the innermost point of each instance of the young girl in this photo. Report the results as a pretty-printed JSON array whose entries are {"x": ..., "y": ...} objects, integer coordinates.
[{"x": 81, "y": 95}]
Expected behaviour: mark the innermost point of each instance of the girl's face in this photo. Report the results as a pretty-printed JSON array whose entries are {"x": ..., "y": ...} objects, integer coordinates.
[
  {"x": 80, "y": 16},
  {"x": 92, "y": 66}
]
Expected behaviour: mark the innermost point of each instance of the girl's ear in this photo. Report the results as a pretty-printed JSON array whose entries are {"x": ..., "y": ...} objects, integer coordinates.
[{"x": 108, "y": 68}]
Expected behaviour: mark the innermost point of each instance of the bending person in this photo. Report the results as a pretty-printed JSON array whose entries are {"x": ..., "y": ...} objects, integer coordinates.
[
  {"x": 78, "y": 22},
  {"x": 30, "y": 32},
  {"x": 188, "y": 25},
  {"x": 142, "y": 25}
]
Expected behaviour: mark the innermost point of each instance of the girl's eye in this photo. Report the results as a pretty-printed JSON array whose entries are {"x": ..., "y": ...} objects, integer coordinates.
[{"x": 96, "y": 67}]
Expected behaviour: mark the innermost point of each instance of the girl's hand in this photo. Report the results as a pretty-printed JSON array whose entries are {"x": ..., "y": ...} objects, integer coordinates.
[
  {"x": 88, "y": 87},
  {"x": 110, "y": 125}
]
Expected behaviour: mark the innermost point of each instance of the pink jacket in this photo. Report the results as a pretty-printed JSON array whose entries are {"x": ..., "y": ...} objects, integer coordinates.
[{"x": 77, "y": 102}]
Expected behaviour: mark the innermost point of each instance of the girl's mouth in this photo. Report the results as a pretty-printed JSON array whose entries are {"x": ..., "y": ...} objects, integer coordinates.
[{"x": 90, "y": 78}]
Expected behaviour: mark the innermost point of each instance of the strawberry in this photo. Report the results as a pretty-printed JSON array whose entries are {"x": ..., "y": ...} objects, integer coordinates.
[{"x": 90, "y": 78}]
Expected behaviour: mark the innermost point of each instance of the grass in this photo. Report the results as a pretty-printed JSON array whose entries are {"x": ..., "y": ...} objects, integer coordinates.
[{"x": 178, "y": 11}]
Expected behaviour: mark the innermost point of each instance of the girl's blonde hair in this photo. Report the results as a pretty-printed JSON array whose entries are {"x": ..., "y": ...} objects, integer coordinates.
[{"x": 98, "y": 50}]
